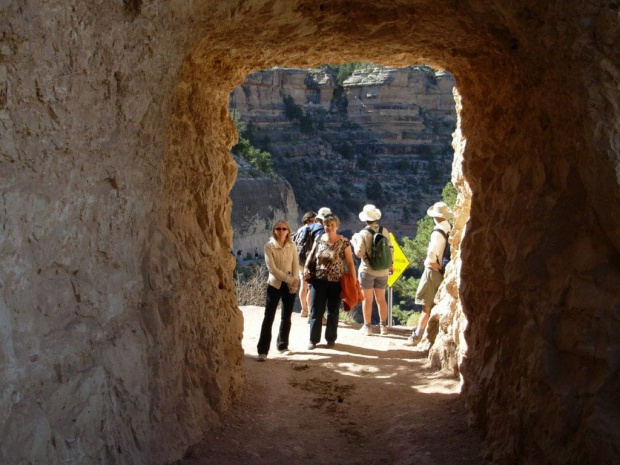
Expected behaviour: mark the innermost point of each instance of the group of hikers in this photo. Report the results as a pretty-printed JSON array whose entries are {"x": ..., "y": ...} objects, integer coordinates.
[{"x": 318, "y": 262}]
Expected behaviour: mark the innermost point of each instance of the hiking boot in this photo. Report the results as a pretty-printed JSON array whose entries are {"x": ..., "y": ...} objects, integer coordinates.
[
  {"x": 383, "y": 331},
  {"x": 331, "y": 343},
  {"x": 261, "y": 357},
  {"x": 284, "y": 351},
  {"x": 413, "y": 340},
  {"x": 311, "y": 346},
  {"x": 366, "y": 330}
]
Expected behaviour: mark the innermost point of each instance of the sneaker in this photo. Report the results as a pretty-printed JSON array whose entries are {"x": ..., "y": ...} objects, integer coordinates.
[
  {"x": 284, "y": 351},
  {"x": 261, "y": 357},
  {"x": 383, "y": 331},
  {"x": 331, "y": 343},
  {"x": 311, "y": 346},
  {"x": 413, "y": 340},
  {"x": 366, "y": 330}
]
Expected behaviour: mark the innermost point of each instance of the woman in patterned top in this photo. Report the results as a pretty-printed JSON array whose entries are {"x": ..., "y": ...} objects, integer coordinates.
[{"x": 330, "y": 252}]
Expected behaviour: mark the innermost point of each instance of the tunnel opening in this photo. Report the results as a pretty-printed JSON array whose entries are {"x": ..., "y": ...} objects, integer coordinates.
[{"x": 341, "y": 135}]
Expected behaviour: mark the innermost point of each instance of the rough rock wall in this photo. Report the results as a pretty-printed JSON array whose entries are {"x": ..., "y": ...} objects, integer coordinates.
[
  {"x": 118, "y": 326},
  {"x": 120, "y": 334},
  {"x": 257, "y": 204},
  {"x": 445, "y": 333}
]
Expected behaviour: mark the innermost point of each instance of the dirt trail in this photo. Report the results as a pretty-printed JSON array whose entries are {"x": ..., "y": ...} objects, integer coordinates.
[{"x": 368, "y": 400}]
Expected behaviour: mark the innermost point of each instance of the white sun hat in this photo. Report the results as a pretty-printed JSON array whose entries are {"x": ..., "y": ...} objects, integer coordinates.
[
  {"x": 370, "y": 213},
  {"x": 323, "y": 212},
  {"x": 440, "y": 210}
]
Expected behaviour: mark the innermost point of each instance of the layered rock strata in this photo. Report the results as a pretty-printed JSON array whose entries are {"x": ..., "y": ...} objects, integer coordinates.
[{"x": 381, "y": 137}]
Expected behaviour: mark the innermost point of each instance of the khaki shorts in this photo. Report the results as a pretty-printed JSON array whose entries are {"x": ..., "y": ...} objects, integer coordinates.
[
  {"x": 429, "y": 283},
  {"x": 368, "y": 281}
]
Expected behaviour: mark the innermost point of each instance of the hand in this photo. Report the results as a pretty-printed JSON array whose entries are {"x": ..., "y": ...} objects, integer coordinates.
[{"x": 435, "y": 266}]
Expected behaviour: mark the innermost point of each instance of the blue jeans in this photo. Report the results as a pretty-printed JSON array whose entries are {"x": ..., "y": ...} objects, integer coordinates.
[
  {"x": 325, "y": 294},
  {"x": 271, "y": 305}
]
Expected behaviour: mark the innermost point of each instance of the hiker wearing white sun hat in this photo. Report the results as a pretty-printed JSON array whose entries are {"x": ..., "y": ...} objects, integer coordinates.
[
  {"x": 372, "y": 280},
  {"x": 433, "y": 267}
]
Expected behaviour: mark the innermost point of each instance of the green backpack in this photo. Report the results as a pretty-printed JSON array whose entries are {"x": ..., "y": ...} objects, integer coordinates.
[{"x": 380, "y": 257}]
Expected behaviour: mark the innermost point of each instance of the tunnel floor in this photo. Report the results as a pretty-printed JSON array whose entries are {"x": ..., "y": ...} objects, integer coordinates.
[{"x": 368, "y": 400}]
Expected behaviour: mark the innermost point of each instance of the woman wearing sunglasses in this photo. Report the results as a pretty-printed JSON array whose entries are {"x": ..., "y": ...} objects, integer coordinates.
[{"x": 283, "y": 265}]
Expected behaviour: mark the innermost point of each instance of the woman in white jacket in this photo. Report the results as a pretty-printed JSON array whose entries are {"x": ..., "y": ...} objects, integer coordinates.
[{"x": 283, "y": 265}]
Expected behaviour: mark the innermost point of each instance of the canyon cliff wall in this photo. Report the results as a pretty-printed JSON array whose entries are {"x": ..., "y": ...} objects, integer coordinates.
[
  {"x": 257, "y": 203},
  {"x": 382, "y": 136}
]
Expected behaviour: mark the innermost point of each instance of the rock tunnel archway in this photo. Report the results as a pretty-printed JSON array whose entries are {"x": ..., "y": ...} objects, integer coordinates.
[{"x": 539, "y": 274}]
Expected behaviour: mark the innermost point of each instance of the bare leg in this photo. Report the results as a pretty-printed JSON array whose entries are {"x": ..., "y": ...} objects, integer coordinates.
[
  {"x": 382, "y": 304},
  {"x": 304, "y": 298},
  {"x": 417, "y": 333},
  {"x": 426, "y": 314},
  {"x": 367, "y": 305}
]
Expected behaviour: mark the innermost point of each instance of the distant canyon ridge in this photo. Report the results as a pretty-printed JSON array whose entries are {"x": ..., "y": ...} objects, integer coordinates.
[{"x": 382, "y": 136}]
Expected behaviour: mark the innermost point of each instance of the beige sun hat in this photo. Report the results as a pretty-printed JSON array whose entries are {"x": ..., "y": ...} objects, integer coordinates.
[
  {"x": 370, "y": 213},
  {"x": 323, "y": 212},
  {"x": 440, "y": 210}
]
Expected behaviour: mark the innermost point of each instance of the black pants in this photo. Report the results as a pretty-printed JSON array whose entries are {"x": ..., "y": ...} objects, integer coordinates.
[
  {"x": 325, "y": 296},
  {"x": 288, "y": 302}
]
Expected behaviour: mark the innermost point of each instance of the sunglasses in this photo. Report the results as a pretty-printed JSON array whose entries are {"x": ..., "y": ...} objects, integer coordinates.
[{"x": 280, "y": 229}]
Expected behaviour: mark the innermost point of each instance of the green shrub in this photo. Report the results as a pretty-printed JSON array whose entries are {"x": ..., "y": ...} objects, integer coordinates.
[
  {"x": 255, "y": 157},
  {"x": 413, "y": 319}
]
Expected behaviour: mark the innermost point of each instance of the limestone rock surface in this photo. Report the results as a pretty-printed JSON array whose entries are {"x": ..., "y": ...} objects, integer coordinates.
[{"x": 120, "y": 334}]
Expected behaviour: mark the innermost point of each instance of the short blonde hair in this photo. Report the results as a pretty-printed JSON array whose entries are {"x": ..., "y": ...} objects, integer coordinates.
[
  {"x": 273, "y": 230},
  {"x": 331, "y": 219}
]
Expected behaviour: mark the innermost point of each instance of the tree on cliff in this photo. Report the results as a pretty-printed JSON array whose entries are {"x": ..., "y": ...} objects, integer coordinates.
[{"x": 258, "y": 159}]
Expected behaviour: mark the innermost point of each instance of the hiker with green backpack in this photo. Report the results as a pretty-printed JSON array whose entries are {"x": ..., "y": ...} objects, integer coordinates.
[{"x": 372, "y": 244}]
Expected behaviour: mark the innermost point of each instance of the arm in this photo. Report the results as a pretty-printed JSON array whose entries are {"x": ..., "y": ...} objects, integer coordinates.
[
  {"x": 348, "y": 256},
  {"x": 434, "y": 248},
  {"x": 391, "y": 269},
  {"x": 271, "y": 266},
  {"x": 357, "y": 241},
  {"x": 295, "y": 267},
  {"x": 309, "y": 260}
]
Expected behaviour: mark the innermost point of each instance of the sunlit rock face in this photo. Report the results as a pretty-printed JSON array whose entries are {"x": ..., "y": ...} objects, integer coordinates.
[
  {"x": 120, "y": 333},
  {"x": 385, "y": 131}
]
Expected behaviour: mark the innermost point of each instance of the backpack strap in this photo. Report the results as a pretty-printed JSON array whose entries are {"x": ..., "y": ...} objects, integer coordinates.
[
  {"x": 372, "y": 238},
  {"x": 445, "y": 236},
  {"x": 443, "y": 233}
]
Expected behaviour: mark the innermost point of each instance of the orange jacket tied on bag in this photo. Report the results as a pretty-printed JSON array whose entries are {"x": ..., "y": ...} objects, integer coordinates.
[{"x": 351, "y": 292}]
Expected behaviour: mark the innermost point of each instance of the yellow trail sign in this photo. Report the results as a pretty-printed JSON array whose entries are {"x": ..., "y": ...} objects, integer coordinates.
[{"x": 400, "y": 262}]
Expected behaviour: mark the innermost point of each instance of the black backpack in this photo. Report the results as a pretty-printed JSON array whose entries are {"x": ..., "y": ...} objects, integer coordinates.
[
  {"x": 304, "y": 240},
  {"x": 446, "y": 250},
  {"x": 380, "y": 256}
]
